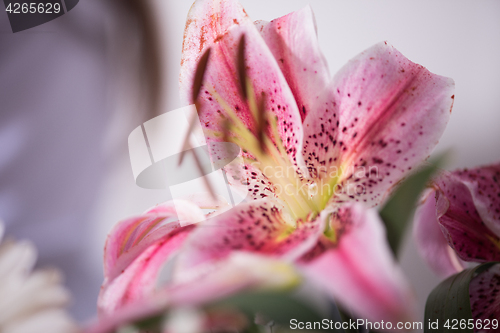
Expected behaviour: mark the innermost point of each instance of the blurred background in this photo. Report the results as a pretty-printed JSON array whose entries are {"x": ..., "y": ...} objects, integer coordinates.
[{"x": 72, "y": 90}]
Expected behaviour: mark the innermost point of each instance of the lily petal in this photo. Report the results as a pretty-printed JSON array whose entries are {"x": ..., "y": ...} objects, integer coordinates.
[
  {"x": 207, "y": 20},
  {"x": 321, "y": 150},
  {"x": 361, "y": 272},
  {"x": 388, "y": 115},
  {"x": 484, "y": 292},
  {"x": 239, "y": 271},
  {"x": 136, "y": 250},
  {"x": 431, "y": 243},
  {"x": 139, "y": 278},
  {"x": 132, "y": 236},
  {"x": 249, "y": 181},
  {"x": 461, "y": 223},
  {"x": 294, "y": 43},
  {"x": 221, "y": 73},
  {"x": 257, "y": 227},
  {"x": 484, "y": 186}
]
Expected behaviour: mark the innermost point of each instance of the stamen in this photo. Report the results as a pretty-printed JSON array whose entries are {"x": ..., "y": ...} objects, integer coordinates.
[
  {"x": 197, "y": 82},
  {"x": 226, "y": 129},
  {"x": 199, "y": 74},
  {"x": 261, "y": 121},
  {"x": 274, "y": 129},
  {"x": 242, "y": 66}
]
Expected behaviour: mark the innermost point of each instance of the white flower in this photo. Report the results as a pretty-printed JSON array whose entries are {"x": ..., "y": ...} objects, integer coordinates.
[{"x": 30, "y": 301}]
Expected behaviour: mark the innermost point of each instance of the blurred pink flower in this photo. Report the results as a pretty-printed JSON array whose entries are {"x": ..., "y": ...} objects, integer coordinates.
[
  {"x": 459, "y": 219},
  {"x": 364, "y": 129}
]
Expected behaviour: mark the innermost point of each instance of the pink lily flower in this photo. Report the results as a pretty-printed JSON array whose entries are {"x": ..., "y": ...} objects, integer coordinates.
[
  {"x": 459, "y": 219},
  {"x": 380, "y": 116},
  {"x": 380, "y": 110}
]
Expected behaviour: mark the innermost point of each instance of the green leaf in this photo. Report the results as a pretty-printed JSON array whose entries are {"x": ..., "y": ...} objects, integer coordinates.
[
  {"x": 280, "y": 306},
  {"x": 399, "y": 209},
  {"x": 451, "y": 300},
  {"x": 151, "y": 325}
]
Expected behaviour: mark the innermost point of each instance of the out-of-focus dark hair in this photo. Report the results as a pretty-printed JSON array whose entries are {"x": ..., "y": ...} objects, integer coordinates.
[{"x": 149, "y": 57}]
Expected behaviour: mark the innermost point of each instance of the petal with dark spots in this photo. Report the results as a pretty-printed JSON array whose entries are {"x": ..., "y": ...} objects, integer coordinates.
[
  {"x": 265, "y": 76},
  {"x": 361, "y": 272},
  {"x": 207, "y": 20},
  {"x": 320, "y": 148},
  {"x": 258, "y": 226},
  {"x": 249, "y": 181},
  {"x": 484, "y": 292},
  {"x": 392, "y": 113}
]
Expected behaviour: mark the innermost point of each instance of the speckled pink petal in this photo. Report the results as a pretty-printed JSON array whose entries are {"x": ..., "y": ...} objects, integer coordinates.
[
  {"x": 294, "y": 43},
  {"x": 321, "y": 149},
  {"x": 249, "y": 181},
  {"x": 361, "y": 272},
  {"x": 484, "y": 185},
  {"x": 484, "y": 292},
  {"x": 431, "y": 243},
  {"x": 461, "y": 223},
  {"x": 387, "y": 114},
  {"x": 207, "y": 21},
  {"x": 221, "y": 75},
  {"x": 131, "y": 237},
  {"x": 257, "y": 227}
]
